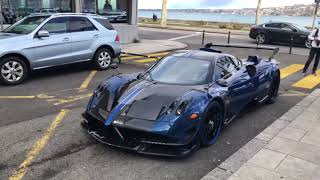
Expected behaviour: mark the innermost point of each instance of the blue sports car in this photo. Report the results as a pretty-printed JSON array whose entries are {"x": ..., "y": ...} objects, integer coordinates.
[{"x": 180, "y": 103}]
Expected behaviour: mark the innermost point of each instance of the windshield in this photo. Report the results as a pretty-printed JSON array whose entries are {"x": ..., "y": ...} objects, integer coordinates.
[
  {"x": 181, "y": 70},
  {"x": 300, "y": 27},
  {"x": 26, "y": 26}
]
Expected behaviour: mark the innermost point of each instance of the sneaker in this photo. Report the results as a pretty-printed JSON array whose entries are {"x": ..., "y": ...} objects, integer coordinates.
[{"x": 304, "y": 73}]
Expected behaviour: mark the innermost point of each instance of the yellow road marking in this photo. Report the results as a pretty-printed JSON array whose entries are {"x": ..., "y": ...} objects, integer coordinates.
[
  {"x": 287, "y": 71},
  {"x": 40, "y": 96},
  {"x": 146, "y": 60},
  {"x": 71, "y": 99},
  {"x": 308, "y": 82},
  {"x": 137, "y": 57},
  {"x": 38, "y": 147},
  {"x": 17, "y": 97},
  {"x": 87, "y": 81}
]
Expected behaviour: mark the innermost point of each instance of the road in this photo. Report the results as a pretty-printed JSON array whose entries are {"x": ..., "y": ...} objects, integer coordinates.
[{"x": 42, "y": 137}]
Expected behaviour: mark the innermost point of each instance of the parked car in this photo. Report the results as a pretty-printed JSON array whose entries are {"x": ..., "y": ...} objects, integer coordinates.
[
  {"x": 169, "y": 111},
  {"x": 44, "y": 40},
  {"x": 48, "y": 10},
  {"x": 281, "y": 32},
  {"x": 116, "y": 16}
]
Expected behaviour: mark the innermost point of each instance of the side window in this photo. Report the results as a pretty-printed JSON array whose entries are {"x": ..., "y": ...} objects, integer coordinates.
[
  {"x": 273, "y": 25},
  {"x": 80, "y": 24},
  {"x": 224, "y": 66},
  {"x": 236, "y": 61},
  {"x": 105, "y": 23},
  {"x": 56, "y": 26}
]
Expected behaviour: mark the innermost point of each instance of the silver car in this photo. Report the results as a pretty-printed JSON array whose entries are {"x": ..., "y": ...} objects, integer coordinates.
[{"x": 46, "y": 40}]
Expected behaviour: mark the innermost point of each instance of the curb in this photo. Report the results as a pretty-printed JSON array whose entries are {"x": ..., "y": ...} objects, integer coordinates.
[{"x": 226, "y": 169}]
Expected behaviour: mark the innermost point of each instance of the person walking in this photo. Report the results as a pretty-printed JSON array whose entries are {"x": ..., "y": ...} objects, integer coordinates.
[{"x": 314, "y": 52}]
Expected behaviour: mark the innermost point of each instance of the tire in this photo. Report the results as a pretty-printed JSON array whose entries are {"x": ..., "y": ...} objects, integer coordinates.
[
  {"x": 262, "y": 39},
  {"x": 273, "y": 91},
  {"x": 212, "y": 125},
  {"x": 307, "y": 44},
  {"x": 103, "y": 59},
  {"x": 13, "y": 70}
]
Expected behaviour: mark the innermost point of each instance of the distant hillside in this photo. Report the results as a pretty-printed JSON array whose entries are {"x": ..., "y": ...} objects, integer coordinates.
[{"x": 295, "y": 10}]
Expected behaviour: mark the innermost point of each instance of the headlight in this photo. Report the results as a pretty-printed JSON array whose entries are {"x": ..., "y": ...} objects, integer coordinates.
[{"x": 182, "y": 107}]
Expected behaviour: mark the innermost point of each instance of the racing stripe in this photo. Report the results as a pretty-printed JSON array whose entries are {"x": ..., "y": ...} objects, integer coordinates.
[{"x": 118, "y": 109}]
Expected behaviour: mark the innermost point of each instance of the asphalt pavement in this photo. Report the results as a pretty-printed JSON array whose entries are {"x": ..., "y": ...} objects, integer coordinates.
[{"x": 42, "y": 137}]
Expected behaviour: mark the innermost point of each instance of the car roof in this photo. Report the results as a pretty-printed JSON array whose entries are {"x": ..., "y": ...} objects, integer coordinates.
[
  {"x": 198, "y": 55},
  {"x": 66, "y": 14}
]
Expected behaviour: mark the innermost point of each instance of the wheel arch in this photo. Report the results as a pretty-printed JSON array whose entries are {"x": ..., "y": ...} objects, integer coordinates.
[
  {"x": 22, "y": 57},
  {"x": 221, "y": 103},
  {"x": 107, "y": 47}
]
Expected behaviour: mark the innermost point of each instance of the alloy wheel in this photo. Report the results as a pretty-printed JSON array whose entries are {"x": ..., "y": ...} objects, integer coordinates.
[
  {"x": 104, "y": 59},
  {"x": 308, "y": 44},
  {"x": 12, "y": 71},
  {"x": 261, "y": 38}
]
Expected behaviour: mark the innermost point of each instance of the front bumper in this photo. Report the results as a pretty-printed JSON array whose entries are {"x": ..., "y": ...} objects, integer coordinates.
[{"x": 134, "y": 140}]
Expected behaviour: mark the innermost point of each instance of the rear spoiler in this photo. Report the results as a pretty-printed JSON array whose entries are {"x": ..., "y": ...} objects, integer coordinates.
[{"x": 274, "y": 49}]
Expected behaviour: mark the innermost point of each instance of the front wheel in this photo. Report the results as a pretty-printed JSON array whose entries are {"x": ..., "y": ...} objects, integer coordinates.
[
  {"x": 274, "y": 89},
  {"x": 103, "y": 59},
  {"x": 212, "y": 125},
  {"x": 13, "y": 70}
]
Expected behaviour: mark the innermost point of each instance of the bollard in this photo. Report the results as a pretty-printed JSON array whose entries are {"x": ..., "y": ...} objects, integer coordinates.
[
  {"x": 258, "y": 41},
  {"x": 229, "y": 35},
  {"x": 291, "y": 44},
  {"x": 203, "y": 32}
]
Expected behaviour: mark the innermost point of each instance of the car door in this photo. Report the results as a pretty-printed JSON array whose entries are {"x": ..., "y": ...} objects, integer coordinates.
[
  {"x": 84, "y": 36},
  {"x": 240, "y": 84},
  {"x": 274, "y": 31},
  {"x": 286, "y": 33},
  {"x": 55, "y": 49}
]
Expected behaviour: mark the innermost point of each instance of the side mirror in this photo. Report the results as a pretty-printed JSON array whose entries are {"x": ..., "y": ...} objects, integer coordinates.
[
  {"x": 43, "y": 34},
  {"x": 252, "y": 70},
  {"x": 222, "y": 83},
  {"x": 114, "y": 66},
  {"x": 294, "y": 30}
]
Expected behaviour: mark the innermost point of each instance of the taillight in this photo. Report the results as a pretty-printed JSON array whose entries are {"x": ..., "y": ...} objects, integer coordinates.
[{"x": 117, "y": 38}]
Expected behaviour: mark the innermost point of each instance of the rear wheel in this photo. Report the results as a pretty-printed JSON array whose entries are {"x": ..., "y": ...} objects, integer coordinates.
[
  {"x": 103, "y": 59},
  {"x": 308, "y": 44},
  {"x": 13, "y": 70},
  {"x": 212, "y": 126},
  {"x": 274, "y": 89}
]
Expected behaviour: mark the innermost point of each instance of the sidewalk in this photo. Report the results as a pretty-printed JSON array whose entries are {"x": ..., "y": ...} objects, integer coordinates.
[
  {"x": 289, "y": 149},
  {"x": 152, "y": 46},
  {"x": 208, "y": 30}
]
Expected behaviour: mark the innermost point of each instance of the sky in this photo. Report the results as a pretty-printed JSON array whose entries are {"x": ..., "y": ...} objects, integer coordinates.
[{"x": 217, "y": 4}]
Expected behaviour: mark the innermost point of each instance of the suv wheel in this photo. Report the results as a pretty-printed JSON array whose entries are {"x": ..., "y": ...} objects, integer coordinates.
[
  {"x": 261, "y": 38},
  {"x": 103, "y": 59},
  {"x": 13, "y": 70}
]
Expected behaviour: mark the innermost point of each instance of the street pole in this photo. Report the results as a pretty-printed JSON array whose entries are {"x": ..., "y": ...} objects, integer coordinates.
[
  {"x": 315, "y": 13},
  {"x": 1, "y": 18},
  {"x": 258, "y": 12},
  {"x": 164, "y": 13}
]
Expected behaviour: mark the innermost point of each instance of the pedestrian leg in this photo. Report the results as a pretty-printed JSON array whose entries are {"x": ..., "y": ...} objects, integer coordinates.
[
  {"x": 311, "y": 56},
  {"x": 316, "y": 62}
]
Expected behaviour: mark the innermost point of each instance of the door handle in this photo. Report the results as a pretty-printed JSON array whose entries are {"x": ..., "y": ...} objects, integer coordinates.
[
  {"x": 96, "y": 36},
  {"x": 66, "y": 40}
]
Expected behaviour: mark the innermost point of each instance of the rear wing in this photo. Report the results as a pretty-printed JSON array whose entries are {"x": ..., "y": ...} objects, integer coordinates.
[{"x": 274, "y": 49}]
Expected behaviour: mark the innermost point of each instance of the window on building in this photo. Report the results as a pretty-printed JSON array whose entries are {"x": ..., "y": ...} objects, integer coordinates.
[{"x": 115, "y": 10}]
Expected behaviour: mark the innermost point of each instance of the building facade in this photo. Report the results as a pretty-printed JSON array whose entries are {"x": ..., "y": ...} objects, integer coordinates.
[{"x": 121, "y": 13}]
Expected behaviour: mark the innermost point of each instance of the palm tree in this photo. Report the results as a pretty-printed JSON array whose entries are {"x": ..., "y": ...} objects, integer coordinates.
[
  {"x": 258, "y": 12},
  {"x": 164, "y": 13}
]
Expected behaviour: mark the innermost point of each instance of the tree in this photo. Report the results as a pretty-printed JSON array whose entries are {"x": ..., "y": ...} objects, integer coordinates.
[
  {"x": 258, "y": 12},
  {"x": 164, "y": 13}
]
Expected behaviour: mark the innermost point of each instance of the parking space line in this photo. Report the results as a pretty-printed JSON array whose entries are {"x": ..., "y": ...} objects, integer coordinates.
[
  {"x": 40, "y": 96},
  {"x": 38, "y": 147},
  {"x": 87, "y": 81},
  {"x": 308, "y": 82},
  {"x": 139, "y": 57},
  {"x": 146, "y": 60},
  {"x": 71, "y": 99},
  {"x": 289, "y": 70}
]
